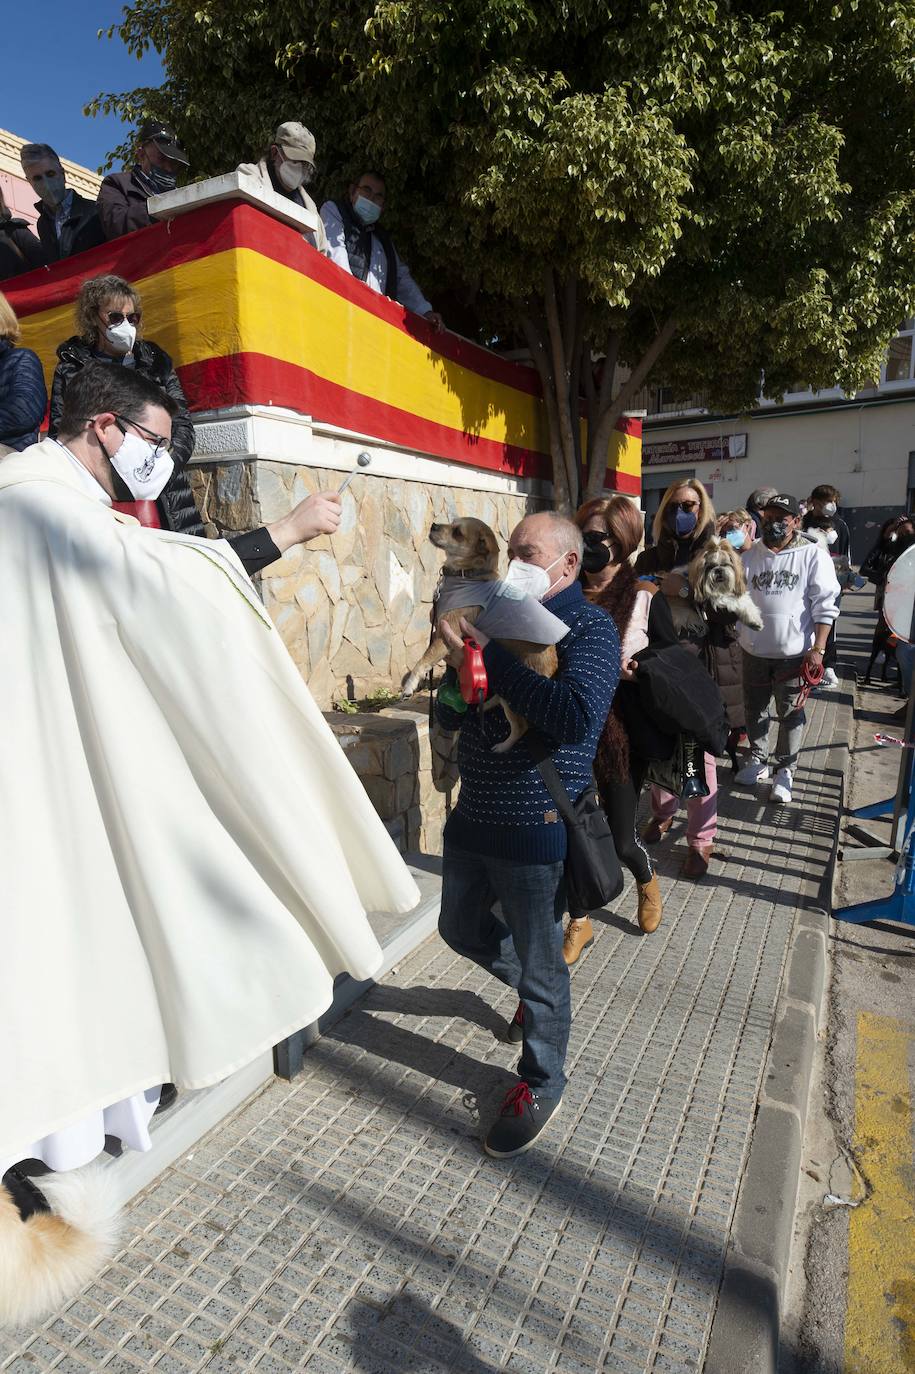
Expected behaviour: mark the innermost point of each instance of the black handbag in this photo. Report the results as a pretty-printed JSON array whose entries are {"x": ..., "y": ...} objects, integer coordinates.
[
  {"x": 683, "y": 773},
  {"x": 592, "y": 869}
]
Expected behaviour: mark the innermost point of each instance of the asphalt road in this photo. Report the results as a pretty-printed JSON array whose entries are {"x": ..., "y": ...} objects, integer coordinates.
[{"x": 850, "y": 1306}]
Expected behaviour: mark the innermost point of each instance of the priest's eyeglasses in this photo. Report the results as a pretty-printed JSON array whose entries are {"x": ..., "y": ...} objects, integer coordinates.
[{"x": 159, "y": 444}]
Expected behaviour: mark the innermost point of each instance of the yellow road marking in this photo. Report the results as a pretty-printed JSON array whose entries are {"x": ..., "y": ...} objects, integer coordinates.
[{"x": 880, "y": 1321}]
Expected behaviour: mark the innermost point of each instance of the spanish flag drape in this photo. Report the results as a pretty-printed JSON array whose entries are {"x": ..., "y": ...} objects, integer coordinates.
[{"x": 251, "y": 314}]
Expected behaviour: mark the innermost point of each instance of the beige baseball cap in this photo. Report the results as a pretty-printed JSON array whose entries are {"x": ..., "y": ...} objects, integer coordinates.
[{"x": 297, "y": 142}]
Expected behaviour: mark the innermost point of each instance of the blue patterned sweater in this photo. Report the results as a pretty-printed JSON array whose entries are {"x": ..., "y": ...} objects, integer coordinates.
[{"x": 503, "y": 807}]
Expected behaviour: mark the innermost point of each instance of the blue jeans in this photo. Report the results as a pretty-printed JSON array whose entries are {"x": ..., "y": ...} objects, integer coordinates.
[
  {"x": 905, "y": 654},
  {"x": 523, "y": 948}
]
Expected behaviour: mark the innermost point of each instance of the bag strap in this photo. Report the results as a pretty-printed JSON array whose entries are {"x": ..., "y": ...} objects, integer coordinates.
[
  {"x": 556, "y": 788},
  {"x": 542, "y": 755}
]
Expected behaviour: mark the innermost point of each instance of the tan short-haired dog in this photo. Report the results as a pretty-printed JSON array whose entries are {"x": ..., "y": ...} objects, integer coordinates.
[{"x": 472, "y": 552}]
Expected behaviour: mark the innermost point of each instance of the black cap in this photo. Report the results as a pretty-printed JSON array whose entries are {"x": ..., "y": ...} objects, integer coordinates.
[
  {"x": 784, "y": 502},
  {"x": 165, "y": 139}
]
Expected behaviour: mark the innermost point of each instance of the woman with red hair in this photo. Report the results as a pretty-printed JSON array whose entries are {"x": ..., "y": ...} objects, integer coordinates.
[{"x": 612, "y": 531}]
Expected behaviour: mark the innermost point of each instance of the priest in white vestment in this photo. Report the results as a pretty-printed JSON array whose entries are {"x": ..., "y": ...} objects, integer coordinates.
[{"x": 186, "y": 857}]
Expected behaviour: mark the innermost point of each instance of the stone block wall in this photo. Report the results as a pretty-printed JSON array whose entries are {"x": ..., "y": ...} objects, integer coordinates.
[
  {"x": 408, "y": 771},
  {"x": 353, "y": 608}
]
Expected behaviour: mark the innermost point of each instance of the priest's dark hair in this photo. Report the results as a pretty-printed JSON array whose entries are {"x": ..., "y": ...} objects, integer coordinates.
[{"x": 102, "y": 387}]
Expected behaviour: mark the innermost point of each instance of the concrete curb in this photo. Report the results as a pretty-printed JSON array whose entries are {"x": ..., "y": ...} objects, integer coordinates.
[{"x": 745, "y": 1331}]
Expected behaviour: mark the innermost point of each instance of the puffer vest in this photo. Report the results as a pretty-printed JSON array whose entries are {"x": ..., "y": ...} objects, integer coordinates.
[{"x": 357, "y": 238}]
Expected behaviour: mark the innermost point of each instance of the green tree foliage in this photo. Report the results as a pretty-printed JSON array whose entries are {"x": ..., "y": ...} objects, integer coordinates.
[{"x": 726, "y": 186}]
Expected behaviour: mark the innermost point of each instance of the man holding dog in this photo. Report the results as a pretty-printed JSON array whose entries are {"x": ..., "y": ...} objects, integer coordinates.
[
  {"x": 795, "y": 589},
  {"x": 505, "y": 842}
]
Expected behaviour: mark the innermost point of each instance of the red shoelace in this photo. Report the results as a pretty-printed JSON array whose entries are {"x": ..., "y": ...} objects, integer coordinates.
[{"x": 517, "y": 1098}]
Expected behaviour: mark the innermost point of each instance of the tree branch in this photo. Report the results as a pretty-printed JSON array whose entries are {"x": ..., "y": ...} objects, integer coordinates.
[{"x": 606, "y": 421}]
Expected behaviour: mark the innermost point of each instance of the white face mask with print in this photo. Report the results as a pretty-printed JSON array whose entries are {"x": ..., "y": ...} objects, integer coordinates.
[
  {"x": 530, "y": 579},
  {"x": 144, "y": 471}
]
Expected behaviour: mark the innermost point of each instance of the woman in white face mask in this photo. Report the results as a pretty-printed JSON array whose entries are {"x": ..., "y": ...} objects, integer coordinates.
[{"x": 109, "y": 319}]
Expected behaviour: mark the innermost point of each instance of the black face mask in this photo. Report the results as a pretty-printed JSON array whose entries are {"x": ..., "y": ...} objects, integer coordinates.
[
  {"x": 774, "y": 531},
  {"x": 597, "y": 553}
]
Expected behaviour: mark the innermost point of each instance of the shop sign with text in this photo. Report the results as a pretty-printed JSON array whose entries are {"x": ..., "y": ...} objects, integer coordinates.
[{"x": 709, "y": 449}]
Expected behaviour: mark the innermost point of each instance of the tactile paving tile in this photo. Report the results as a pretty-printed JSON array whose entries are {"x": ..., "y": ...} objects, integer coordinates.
[{"x": 350, "y": 1221}]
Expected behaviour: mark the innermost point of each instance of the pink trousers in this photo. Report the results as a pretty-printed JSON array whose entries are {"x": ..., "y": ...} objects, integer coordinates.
[{"x": 701, "y": 812}]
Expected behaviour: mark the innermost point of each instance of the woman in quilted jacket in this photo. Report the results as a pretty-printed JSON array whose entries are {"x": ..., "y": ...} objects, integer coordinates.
[{"x": 23, "y": 394}]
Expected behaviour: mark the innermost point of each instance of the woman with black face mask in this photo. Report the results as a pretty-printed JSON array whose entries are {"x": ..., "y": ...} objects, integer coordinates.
[
  {"x": 683, "y": 525},
  {"x": 896, "y": 535},
  {"x": 612, "y": 531}
]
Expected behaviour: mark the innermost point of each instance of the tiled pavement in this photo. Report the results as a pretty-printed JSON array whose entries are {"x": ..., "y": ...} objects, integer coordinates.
[{"x": 350, "y": 1220}]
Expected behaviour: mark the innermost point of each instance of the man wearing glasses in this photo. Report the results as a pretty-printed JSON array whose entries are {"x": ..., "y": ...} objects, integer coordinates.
[
  {"x": 186, "y": 857},
  {"x": 286, "y": 168},
  {"x": 123, "y": 196}
]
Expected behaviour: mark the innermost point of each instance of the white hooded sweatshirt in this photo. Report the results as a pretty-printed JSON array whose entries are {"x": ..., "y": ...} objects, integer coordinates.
[{"x": 794, "y": 590}]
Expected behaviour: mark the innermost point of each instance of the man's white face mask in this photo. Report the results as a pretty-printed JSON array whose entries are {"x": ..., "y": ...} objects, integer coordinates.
[
  {"x": 291, "y": 174},
  {"x": 144, "y": 471},
  {"x": 529, "y": 578}
]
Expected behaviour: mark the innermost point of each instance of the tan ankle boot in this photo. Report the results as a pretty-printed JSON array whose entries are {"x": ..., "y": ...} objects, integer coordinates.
[
  {"x": 650, "y": 907},
  {"x": 579, "y": 936}
]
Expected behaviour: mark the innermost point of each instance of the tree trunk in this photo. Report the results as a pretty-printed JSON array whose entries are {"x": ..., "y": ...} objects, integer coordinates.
[
  {"x": 561, "y": 370},
  {"x": 536, "y": 342},
  {"x": 606, "y": 420}
]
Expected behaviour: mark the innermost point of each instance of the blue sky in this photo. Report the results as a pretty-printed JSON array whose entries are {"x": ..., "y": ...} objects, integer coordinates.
[{"x": 53, "y": 64}]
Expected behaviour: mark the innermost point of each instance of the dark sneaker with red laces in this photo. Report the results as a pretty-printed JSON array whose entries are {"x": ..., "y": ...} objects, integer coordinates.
[
  {"x": 515, "y": 1032},
  {"x": 524, "y": 1115}
]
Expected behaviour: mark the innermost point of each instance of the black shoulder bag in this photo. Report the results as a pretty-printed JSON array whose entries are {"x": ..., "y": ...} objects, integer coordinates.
[{"x": 592, "y": 871}]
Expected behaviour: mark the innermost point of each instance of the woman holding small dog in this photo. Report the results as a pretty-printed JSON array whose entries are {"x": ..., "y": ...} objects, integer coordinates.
[
  {"x": 612, "y": 531},
  {"x": 683, "y": 527}
]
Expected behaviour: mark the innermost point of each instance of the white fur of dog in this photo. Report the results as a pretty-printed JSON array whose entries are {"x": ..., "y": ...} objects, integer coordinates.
[
  {"x": 717, "y": 582},
  {"x": 49, "y": 1259}
]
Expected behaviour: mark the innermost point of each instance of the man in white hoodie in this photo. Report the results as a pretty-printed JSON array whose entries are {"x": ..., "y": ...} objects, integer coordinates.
[{"x": 794, "y": 586}]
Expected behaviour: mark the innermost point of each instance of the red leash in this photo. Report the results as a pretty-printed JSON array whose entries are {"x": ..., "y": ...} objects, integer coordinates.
[{"x": 811, "y": 676}]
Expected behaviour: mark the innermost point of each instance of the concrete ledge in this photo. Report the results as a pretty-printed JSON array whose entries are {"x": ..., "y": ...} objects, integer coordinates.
[
  {"x": 745, "y": 1331},
  {"x": 744, "y": 1337},
  {"x": 806, "y": 977}
]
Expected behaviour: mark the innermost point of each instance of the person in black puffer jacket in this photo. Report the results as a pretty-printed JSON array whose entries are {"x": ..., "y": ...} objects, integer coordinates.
[
  {"x": 20, "y": 250},
  {"x": 108, "y": 316},
  {"x": 23, "y": 394}
]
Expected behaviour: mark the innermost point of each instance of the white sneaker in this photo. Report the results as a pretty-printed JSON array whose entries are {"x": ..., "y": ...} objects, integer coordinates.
[
  {"x": 781, "y": 787},
  {"x": 753, "y": 772},
  {"x": 830, "y": 678}
]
